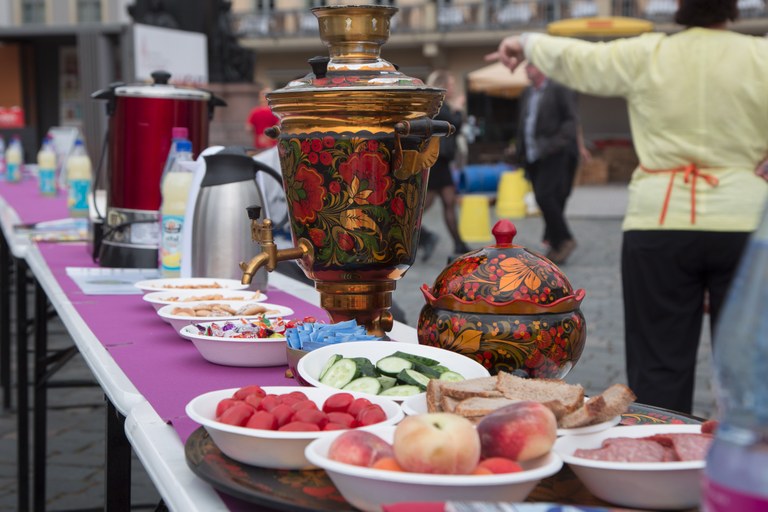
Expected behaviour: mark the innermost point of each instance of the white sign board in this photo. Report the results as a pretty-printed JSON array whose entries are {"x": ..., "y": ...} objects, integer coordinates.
[{"x": 183, "y": 54}]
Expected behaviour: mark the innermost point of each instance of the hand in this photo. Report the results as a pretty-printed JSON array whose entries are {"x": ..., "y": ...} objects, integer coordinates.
[
  {"x": 585, "y": 154},
  {"x": 510, "y": 52},
  {"x": 762, "y": 169}
]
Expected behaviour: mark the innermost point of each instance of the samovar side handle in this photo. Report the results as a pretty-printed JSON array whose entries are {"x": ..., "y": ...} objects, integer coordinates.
[{"x": 407, "y": 162}]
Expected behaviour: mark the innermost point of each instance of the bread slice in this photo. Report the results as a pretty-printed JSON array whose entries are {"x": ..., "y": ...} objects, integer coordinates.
[
  {"x": 546, "y": 391},
  {"x": 434, "y": 395},
  {"x": 611, "y": 402},
  {"x": 481, "y": 405},
  {"x": 481, "y": 386},
  {"x": 448, "y": 404}
]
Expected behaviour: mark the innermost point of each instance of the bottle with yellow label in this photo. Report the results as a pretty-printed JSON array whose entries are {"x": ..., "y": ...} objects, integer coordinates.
[
  {"x": 78, "y": 181},
  {"x": 46, "y": 168},
  {"x": 175, "y": 189}
]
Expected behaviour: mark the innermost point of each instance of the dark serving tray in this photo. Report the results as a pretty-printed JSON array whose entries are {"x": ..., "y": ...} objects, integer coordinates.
[{"x": 313, "y": 491}]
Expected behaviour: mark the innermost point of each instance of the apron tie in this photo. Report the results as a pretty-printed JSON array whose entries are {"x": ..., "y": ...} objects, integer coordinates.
[{"x": 690, "y": 174}]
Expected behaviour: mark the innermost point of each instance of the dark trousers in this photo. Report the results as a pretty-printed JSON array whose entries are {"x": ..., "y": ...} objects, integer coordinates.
[
  {"x": 552, "y": 180},
  {"x": 666, "y": 276}
]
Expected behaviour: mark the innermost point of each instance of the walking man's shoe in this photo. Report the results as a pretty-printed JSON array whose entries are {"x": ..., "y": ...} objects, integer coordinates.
[
  {"x": 560, "y": 256},
  {"x": 427, "y": 244}
]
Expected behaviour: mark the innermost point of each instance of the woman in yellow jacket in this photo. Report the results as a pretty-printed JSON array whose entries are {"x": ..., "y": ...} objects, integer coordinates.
[{"x": 698, "y": 109}]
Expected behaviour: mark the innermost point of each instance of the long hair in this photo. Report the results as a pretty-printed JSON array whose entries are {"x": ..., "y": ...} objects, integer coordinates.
[
  {"x": 439, "y": 78},
  {"x": 705, "y": 13}
]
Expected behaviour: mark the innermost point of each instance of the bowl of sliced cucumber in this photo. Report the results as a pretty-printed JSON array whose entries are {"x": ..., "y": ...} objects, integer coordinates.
[{"x": 390, "y": 369}]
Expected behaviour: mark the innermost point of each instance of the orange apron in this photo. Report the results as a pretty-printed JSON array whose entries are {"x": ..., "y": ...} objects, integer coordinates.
[{"x": 690, "y": 174}]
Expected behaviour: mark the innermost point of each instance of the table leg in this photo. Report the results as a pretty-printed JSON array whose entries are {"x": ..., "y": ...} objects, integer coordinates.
[
  {"x": 5, "y": 322},
  {"x": 22, "y": 382},
  {"x": 40, "y": 418},
  {"x": 118, "y": 472}
]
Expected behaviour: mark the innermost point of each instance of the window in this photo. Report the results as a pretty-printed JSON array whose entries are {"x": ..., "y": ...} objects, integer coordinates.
[
  {"x": 89, "y": 11},
  {"x": 32, "y": 11}
]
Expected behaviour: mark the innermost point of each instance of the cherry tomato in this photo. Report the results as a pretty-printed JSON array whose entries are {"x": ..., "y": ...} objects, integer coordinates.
[
  {"x": 254, "y": 401},
  {"x": 319, "y": 418},
  {"x": 357, "y": 405},
  {"x": 338, "y": 402},
  {"x": 299, "y": 426},
  {"x": 243, "y": 392},
  {"x": 237, "y": 415},
  {"x": 269, "y": 402},
  {"x": 225, "y": 404},
  {"x": 334, "y": 426},
  {"x": 370, "y": 415},
  {"x": 263, "y": 420},
  {"x": 342, "y": 418},
  {"x": 283, "y": 414},
  {"x": 304, "y": 404}
]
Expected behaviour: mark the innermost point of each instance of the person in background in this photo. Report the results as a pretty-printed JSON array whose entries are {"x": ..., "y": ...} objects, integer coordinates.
[
  {"x": 261, "y": 118},
  {"x": 548, "y": 149},
  {"x": 698, "y": 110},
  {"x": 440, "y": 178}
]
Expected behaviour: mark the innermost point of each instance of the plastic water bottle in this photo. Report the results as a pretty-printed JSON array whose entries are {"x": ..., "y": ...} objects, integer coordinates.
[
  {"x": 736, "y": 475},
  {"x": 175, "y": 189},
  {"x": 2, "y": 158},
  {"x": 14, "y": 160},
  {"x": 79, "y": 178},
  {"x": 46, "y": 168},
  {"x": 178, "y": 134}
]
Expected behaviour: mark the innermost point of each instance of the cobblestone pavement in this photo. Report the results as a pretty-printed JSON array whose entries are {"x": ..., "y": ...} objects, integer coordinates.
[{"x": 76, "y": 418}]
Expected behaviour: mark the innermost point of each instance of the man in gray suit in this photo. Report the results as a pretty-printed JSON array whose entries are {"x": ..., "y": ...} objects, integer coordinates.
[{"x": 547, "y": 147}]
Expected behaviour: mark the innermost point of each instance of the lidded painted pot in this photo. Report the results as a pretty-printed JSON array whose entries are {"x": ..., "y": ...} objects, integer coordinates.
[{"x": 508, "y": 308}]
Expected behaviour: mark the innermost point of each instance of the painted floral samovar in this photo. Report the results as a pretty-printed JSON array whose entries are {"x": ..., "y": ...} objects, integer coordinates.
[{"x": 356, "y": 140}]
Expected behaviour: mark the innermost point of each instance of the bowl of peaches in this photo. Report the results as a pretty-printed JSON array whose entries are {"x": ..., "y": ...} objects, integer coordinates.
[
  {"x": 442, "y": 457},
  {"x": 271, "y": 426}
]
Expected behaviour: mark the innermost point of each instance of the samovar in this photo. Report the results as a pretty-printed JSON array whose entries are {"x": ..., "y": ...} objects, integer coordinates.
[{"x": 356, "y": 140}]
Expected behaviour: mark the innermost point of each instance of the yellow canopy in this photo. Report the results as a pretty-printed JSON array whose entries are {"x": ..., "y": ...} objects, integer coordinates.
[
  {"x": 497, "y": 80},
  {"x": 601, "y": 26}
]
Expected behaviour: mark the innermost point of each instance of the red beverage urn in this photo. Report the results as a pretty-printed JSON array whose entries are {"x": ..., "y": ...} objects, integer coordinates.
[{"x": 142, "y": 117}]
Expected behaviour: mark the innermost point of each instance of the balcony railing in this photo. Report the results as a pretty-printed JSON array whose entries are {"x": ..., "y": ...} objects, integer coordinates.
[{"x": 475, "y": 15}]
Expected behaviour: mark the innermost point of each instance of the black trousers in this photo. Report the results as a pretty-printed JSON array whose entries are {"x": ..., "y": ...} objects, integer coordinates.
[
  {"x": 666, "y": 276},
  {"x": 552, "y": 180}
]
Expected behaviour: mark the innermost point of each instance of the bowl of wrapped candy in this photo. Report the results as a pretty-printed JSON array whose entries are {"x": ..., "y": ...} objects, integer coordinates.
[
  {"x": 308, "y": 336},
  {"x": 252, "y": 342}
]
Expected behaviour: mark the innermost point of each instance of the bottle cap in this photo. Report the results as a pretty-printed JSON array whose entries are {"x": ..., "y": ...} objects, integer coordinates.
[
  {"x": 179, "y": 132},
  {"x": 184, "y": 145}
]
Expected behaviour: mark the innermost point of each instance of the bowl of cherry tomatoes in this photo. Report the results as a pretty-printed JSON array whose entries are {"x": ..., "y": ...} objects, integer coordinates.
[{"x": 270, "y": 426}]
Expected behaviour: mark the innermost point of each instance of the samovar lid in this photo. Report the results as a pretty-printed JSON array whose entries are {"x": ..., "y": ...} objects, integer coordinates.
[
  {"x": 504, "y": 278},
  {"x": 354, "y": 36}
]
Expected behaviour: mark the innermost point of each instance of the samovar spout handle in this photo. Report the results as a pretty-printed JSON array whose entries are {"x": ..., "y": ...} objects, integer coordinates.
[{"x": 424, "y": 127}]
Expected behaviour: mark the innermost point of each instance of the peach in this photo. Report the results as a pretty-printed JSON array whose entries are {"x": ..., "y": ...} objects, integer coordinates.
[
  {"x": 438, "y": 443},
  {"x": 359, "y": 448},
  {"x": 520, "y": 431},
  {"x": 500, "y": 465}
]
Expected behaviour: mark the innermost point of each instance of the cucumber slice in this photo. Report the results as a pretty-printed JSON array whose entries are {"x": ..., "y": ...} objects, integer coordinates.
[
  {"x": 365, "y": 367},
  {"x": 429, "y": 371},
  {"x": 327, "y": 366},
  {"x": 413, "y": 378},
  {"x": 451, "y": 376},
  {"x": 386, "y": 381},
  {"x": 416, "y": 359},
  {"x": 370, "y": 385},
  {"x": 440, "y": 368},
  {"x": 392, "y": 365},
  {"x": 341, "y": 373},
  {"x": 403, "y": 390}
]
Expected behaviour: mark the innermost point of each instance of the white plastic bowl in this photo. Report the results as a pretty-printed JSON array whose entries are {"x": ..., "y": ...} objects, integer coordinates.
[
  {"x": 187, "y": 283},
  {"x": 180, "y": 297},
  {"x": 269, "y": 448},
  {"x": 179, "y": 321},
  {"x": 646, "y": 485},
  {"x": 368, "y": 489},
  {"x": 253, "y": 352},
  {"x": 310, "y": 366}
]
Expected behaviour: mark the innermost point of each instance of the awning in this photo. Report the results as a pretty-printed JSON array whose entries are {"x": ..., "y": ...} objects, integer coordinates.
[
  {"x": 497, "y": 80},
  {"x": 602, "y": 26}
]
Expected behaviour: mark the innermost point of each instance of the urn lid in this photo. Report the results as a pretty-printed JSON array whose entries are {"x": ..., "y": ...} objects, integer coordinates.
[
  {"x": 353, "y": 80},
  {"x": 503, "y": 279}
]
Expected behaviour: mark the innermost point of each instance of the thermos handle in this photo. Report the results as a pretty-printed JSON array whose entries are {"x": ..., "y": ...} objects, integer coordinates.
[{"x": 259, "y": 166}]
